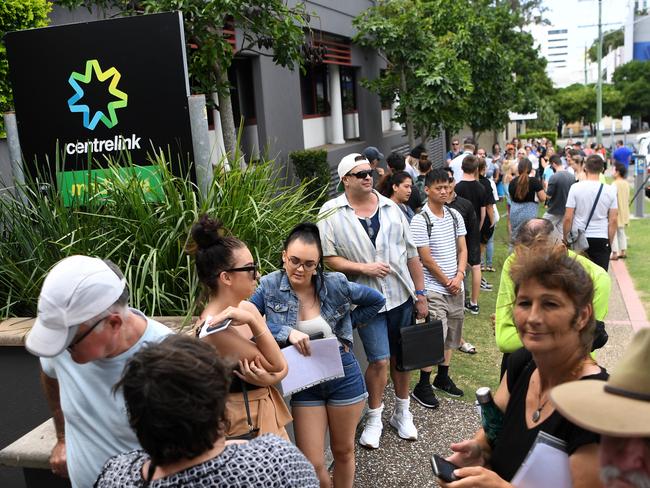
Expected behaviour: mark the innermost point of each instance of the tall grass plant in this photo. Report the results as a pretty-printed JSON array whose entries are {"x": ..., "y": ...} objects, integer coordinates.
[{"x": 145, "y": 238}]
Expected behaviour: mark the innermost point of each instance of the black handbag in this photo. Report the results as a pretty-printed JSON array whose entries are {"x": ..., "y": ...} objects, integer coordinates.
[{"x": 420, "y": 345}]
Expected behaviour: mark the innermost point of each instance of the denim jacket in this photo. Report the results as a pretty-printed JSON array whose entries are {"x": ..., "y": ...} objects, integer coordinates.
[{"x": 275, "y": 299}]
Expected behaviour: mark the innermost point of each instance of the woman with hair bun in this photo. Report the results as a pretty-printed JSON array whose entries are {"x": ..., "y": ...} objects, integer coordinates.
[
  {"x": 226, "y": 268},
  {"x": 299, "y": 301}
]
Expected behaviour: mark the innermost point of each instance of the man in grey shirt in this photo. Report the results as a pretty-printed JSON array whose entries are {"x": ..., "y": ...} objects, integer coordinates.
[{"x": 557, "y": 192}]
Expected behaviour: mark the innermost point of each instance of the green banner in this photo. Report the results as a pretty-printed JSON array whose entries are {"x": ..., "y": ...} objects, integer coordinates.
[{"x": 78, "y": 186}]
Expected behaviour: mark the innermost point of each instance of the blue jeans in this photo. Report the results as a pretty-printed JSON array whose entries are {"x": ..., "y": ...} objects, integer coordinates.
[
  {"x": 339, "y": 392},
  {"x": 380, "y": 335},
  {"x": 489, "y": 252}
]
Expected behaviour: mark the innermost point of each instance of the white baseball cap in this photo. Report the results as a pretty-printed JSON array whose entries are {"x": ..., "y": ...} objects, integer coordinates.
[
  {"x": 75, "y": 290},
  {"x": 347, "y": 164}
]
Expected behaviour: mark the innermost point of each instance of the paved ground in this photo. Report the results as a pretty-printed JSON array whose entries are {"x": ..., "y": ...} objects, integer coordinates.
[{"x": 399, "y": 463}]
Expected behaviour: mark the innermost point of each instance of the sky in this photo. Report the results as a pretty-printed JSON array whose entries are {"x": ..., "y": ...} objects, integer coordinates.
[{"x": 574, "y": 13}]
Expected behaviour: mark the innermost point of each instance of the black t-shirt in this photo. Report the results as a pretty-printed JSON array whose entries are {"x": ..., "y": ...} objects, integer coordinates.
[
  {"x": 488, "y": 190},
  {"x": 371, "y": 226},
  {"x": 466, "y": 210},
  {"x": 475, "y": 193},
  {"x": 534, "y": 185},
  {"x": 515, "y": 439}
]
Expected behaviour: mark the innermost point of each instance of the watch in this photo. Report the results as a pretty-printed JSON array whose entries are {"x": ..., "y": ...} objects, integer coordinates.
[
  {"x": 421, "y": 292},
  {"x": 461, "y": 271}
]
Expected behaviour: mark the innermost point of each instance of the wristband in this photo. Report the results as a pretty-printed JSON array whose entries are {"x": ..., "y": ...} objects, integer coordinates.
[
  {"x": 421, "y": 292},
  {"x": 461, "y": 271}
]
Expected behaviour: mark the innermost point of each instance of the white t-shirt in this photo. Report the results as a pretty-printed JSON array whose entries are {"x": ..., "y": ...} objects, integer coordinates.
[
  {"x": 441, "y": 244},
  {"x": 582, "y": 196},
  {"x": 457, "y": 165},
  {"x": 96, "y": 423}
]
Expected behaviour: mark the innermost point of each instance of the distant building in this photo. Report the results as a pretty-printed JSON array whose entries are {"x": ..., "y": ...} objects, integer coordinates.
[
  {"x": 637, "y": 33},
  {"x": 554, "y": 43}
]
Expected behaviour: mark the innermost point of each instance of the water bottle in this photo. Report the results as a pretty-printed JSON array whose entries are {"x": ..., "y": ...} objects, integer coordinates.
[{"x": 491, "y": 416}]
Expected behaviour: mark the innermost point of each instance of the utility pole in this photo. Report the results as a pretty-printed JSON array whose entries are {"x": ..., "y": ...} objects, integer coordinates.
[
  {"x": 599, "y": 86},
  {"x": 586, "y": 54}
]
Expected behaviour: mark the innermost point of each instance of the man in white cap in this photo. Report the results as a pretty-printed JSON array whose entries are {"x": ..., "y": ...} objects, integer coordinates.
[
  {"x": 619, "y": 410},
  {"x": 84, "y": 334},
  {"x": 366, "y": 236}
]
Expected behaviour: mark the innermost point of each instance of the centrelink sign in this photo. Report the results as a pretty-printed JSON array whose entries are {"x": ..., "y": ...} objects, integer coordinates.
[{"x": 94, "y": 92}]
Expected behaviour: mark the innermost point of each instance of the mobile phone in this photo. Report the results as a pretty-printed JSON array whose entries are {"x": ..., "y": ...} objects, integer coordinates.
[
  {"x": 443, "y": 469},
  {"x": 207, "y": 329}
]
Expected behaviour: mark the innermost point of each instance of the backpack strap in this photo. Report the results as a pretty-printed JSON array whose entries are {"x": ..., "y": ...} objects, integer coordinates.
[{"x": 430, "y": 224}]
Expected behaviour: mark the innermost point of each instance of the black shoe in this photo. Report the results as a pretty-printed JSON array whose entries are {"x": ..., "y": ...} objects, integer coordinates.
[
  {"x": 448, "y": 386},
  {"x": 423, "y": 394},
  {"x": 473, "y": 309}
]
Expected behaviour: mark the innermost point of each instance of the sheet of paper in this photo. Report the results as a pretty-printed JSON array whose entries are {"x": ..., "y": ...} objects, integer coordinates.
[
  {"x": 547, "y": 464},
  {"x": 324, "y": 364}
]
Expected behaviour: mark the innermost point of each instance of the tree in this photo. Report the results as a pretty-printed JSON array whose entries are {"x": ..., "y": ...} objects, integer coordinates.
[
  {"x": 270, "y": 28},
  {"x": 611, "y": 40},
  {"x": 633, "y": 81},
  {"x": 423, "y": 66},
  {"x": 577, "y": 102},
  {"x": 17, "y": 15}
]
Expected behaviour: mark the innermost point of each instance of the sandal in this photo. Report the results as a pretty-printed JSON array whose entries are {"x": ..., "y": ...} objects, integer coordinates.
[
  {"x": 490, "y": 269},
  {"x": 467, "y": 348},
  {"x": 613, "y": 257}
]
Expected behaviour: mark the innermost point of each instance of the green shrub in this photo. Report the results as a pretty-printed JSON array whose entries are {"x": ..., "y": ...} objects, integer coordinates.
[
  {"x": 146, "y": 239},
  {"x": 549, "y": 134},
  {"x": 311, "y": 167},
  {"x": 17, "y": 15}
]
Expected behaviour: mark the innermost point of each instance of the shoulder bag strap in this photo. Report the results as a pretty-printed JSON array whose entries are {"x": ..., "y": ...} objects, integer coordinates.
[
  {"x": 244, "y": 391},
  {"x": 594, "y": 207}
]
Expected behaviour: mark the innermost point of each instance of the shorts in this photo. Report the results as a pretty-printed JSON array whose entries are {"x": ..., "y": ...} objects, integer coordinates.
[
  {"x": 486, "y": 232},
  {"x": 473, "y": 249},
  {"x": 450, "y": 310},
  {"x": 338, "y": 392},
  {"x": 380, "y": 335}
]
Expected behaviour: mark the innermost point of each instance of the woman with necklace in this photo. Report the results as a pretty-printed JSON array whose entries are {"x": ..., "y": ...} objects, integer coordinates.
[
  {"x": 555, "y": 321},
  {"x": 300, "y": 301}
]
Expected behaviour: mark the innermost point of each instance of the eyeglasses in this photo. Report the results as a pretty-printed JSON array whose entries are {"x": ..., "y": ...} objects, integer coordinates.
[
  {"x": 83, "y": 336},
  {"x": 251, "y": 268},
  {"x": 362, "y": 175},
  {"x": 307, "y": 265}
]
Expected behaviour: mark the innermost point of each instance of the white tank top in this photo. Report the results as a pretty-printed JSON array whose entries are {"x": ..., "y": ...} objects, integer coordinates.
[{"x": 315, "y": 325}]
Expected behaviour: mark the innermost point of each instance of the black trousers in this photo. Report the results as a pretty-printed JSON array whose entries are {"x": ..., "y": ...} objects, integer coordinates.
[{"x": 599, "y": 251}]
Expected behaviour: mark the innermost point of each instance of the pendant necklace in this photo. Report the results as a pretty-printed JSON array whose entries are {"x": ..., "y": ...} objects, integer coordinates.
[{"x": 538, "y": 413}]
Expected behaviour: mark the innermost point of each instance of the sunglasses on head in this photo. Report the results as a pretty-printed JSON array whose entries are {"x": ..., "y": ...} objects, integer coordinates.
[{"x": 362, "y": 175}]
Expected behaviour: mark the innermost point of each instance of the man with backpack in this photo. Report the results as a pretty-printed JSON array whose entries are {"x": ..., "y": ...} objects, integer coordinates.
[{"x": 439, "y": 234}]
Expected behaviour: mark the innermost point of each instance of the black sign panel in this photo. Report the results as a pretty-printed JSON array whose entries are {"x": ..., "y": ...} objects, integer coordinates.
[{"x": 101, "y": 88}]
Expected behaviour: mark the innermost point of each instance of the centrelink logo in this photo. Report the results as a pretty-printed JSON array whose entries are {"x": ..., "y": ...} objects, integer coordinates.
[{"x": 109, "y": 119}]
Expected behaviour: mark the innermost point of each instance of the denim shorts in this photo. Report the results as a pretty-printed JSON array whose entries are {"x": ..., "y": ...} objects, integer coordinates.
[
  {"x": 380, "y": 336},
  {"x": 339, "y": 392}
]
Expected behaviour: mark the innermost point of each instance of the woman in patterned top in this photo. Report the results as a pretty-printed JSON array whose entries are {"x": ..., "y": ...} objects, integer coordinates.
[{"x": 175, "y": 394}]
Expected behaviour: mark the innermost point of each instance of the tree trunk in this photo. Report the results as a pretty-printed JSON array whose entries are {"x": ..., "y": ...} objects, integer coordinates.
[
  {"x": 410, "y": 130},
  {"x": 226, "y": 116}
]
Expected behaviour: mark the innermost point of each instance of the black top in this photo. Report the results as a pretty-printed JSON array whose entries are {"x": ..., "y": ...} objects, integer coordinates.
[
  {"x": 475, "y": 193},
  {"x": 534, "y": 185},
  {"x": 515, "y": 439},
  {"x": 371, "y": 226},
  {"x": 466, "y": 210},
  {"x": 488, "y": 190}
]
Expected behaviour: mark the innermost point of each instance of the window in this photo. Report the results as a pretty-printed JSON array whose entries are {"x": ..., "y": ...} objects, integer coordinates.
[
  {"x": 348, "y": 89},
  {"x": 242, "y": 94},
  {"x": 314, "y": 92},
  {"x": 558, "y": 40},
  {"x": 558, "y": 54},
  {"x": 558, "y": 31},
  {"x": 557, "y": 47}
]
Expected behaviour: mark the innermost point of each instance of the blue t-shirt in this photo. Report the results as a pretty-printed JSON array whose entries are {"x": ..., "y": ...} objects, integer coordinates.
[
  {"x": 548, "y": 172},
  {"x": 96, "y": 423},
  {"x": 623, "y": 155}
]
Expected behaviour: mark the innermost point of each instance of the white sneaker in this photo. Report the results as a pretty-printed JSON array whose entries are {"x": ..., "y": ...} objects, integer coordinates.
[
  {"x": 373, "y": 428},
  {"x": 402, "y": 420}
]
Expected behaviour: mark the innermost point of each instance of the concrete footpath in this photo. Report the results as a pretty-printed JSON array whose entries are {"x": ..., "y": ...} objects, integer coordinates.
[{"x": 399, "y": 463}]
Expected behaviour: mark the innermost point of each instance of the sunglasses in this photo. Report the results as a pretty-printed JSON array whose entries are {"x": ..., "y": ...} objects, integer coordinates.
[
  {"x": 307, "y": 265},
  {"x": 251, "y": 268},
  {"x": 362, "y": 175},
  {"x": 85, "y": 334}
]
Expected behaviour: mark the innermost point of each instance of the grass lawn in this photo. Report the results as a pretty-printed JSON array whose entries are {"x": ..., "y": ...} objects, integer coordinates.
[
  {"x": 471, "y": 371},
  {"x": 638, "y": 264}
]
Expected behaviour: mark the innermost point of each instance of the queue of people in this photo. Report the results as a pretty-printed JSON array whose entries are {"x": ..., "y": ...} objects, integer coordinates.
[{"x": 136, "y": 405}]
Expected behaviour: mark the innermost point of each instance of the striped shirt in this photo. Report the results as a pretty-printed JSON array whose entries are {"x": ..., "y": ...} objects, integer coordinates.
[
  {"x": 441, "y": 244},
  {"x": 343, "y": 235}
]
